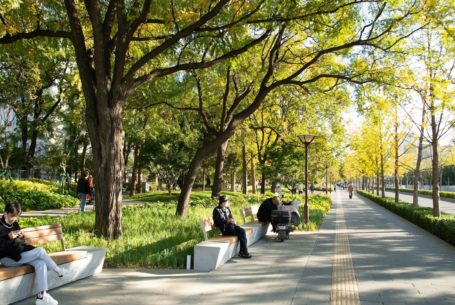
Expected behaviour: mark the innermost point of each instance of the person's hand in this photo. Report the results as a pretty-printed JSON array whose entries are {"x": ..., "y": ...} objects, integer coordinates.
[{"x": 15, "y": 234}]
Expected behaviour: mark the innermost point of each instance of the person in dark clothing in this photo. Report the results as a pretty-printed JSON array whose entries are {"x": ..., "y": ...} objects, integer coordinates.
[
  {"x": 266, "y": 208},
  {"x": 222, "y": 217},
  {"x": 83, "y": 188},
  {"x": 14, "y": 251}
]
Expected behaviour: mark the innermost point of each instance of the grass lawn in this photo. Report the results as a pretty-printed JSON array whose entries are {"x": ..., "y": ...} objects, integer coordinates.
[{"x": 152, "y": 235}]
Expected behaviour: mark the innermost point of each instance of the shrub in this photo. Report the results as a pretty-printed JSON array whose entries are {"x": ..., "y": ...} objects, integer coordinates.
[
  {"x": 443, "y": 227},
  {"x": 425, "y": 192},
  {"x": 34, "y": 195}
]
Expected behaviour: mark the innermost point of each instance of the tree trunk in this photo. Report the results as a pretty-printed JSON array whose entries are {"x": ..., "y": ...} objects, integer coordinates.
[
  {"x": 106, "y": 137},
  {"x": 203, "y": 179},
  {"x": 415, "y": 194},
  {"x": 84, "y": 156},
  {"x": 126, "y": 153},
  {"x": 395, "y": 172},
  {"x": 377, "y": 182},
  {"x": 273, "y": 187},
  {"x": 139, "y": 180},
  {"x": 435, "y": 164},
  {"x": 134, "y": 170},
  {"x": 382, "y": 176},
  {"x": 263, "y": 178},
  {"x": 188, "y": 182},
  {"x": 219, "y": 167},
  {"x": 253, "y": 177},
  {"x": 244, "y": 171},
  {"x": 233, "y": 180}
]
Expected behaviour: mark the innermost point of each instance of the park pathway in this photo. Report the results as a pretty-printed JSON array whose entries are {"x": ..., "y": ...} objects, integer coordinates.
[{"x": 363, "y": 254}]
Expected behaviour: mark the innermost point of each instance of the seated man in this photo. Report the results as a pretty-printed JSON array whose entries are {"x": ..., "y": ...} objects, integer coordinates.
[
  {"x": 222, "y": 217},
  {"x": 266, "y": 208}
]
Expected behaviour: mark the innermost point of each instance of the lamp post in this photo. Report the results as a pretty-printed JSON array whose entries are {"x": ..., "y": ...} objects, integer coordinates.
[
  {"x": 326, "y": 185},
  {"x": 306, "y": 140}
]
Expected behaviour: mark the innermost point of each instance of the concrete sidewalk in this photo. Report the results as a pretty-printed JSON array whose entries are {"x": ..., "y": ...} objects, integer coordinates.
[{"x": 363, "y": 254}]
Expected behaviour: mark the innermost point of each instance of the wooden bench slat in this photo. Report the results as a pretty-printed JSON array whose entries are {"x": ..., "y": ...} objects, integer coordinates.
[
  {"x": 59, "y": 258},
  {"x": 43, "y": 232},
  {"x": 38, "y": 240}
]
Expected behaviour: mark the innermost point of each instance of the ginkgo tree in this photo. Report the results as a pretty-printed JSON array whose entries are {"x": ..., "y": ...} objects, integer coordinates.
[{"x": 121, "y": 45}]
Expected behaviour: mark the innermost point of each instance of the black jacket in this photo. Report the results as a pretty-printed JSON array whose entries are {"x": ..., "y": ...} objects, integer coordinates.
[
  {"x": 220, "y": 218},
  {"x": 83, "y": 186},
  {"x": 265, "y": 210},
  {"x": 11, "y": 248}
]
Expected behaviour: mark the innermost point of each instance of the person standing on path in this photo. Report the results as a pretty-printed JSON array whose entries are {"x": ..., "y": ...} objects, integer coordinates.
[
  {"x": 83, "y": 189},
  {"x": 350, "y": 190},
  {"x": 14, "y": 251}
]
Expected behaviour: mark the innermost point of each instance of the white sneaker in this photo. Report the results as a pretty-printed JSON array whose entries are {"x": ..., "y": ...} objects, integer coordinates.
[{"x": 46, "y": 300}]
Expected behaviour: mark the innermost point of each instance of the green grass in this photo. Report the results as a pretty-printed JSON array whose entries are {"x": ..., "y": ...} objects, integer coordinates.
[{"x": 153, "y": 236}]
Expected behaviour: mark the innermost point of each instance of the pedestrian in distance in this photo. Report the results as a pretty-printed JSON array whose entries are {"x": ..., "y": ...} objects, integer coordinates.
[
  {"x": 223, "y": 219},
  {"x": 15, "y": 251},
  {"x": 83, "y": 189},
  {"x": 350, "y": 190}
]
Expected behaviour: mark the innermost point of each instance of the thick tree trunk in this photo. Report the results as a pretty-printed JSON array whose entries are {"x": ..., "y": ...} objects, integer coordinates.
[
  {"x": 244, "y": 171},
  {"x": 107, "y": 149},
  {"x": 219, "y": 167}
]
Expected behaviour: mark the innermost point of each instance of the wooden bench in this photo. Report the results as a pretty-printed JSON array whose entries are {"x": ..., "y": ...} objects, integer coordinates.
[
  {"x": 80, "y": 262},
  {"x": 215, "y": 251}
]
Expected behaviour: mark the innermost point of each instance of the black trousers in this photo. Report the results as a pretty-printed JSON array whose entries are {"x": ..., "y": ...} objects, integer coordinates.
[{"x": 241, "y": 235}]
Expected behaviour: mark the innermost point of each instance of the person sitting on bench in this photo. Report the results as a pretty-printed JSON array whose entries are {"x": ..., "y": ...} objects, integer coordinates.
[
  {"x": 222, "y": 217},
  {"x": 266, "y": 208},
  {"x": 14, "y": 251}
]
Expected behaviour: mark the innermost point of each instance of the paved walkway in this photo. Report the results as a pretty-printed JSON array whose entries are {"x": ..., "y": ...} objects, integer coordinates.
[
  {"x": 363, "y": 254},
  {"x": 445, "y": 204}
]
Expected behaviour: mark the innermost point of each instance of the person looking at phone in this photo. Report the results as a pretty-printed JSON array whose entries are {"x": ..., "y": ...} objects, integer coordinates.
[
  {"x": 222, "y": 217},
  {"x": 15, "y": 251}
]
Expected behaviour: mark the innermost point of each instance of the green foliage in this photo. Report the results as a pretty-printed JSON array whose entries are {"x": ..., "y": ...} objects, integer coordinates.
[
  {"x": 443, "y": 227},
  {"x": 425, "y": 192},
  {"x": 34, "y": 195},
  {"x": 152, "y": 235}
]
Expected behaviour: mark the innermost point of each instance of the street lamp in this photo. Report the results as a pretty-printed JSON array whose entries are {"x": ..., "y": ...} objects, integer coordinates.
[
  {"x": 326, "y": 185},
  {"x": 306, "y": 140}
]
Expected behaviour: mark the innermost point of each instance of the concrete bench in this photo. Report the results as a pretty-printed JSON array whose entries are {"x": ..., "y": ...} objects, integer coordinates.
[
  {"x": 81, "y": 262},
  {"x": 215, "y": 251}
]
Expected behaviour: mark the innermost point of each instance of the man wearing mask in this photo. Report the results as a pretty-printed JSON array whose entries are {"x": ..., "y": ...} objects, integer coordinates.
[{"x": 222, "y": 217}]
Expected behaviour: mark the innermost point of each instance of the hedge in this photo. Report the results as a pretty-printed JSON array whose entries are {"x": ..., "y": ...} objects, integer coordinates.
[
  {"x": 34, "y": 195},
  {"x": 443, "y": 227},
  {"x": 425, "y": 192}
]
